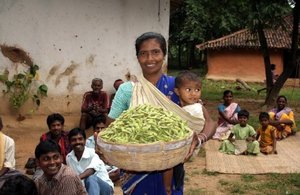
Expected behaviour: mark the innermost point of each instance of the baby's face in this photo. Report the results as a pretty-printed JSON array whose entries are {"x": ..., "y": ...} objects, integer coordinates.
[{"x": 189, "y": 92}]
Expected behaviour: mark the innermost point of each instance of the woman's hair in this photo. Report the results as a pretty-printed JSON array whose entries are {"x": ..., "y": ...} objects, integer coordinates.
[
  {"x": 45, "y": 147},
  {"x": 185, "y": 76},
  {"x": 55, "y": 117},
  {"x": 281, "y": 96},
  {"x": 18, "y": 185},
  {"x": 151, "y": 35},
  {"x": 244, "y": 113},
  {"x": 76, "y": 131},
  {"x": 226, "y": 92},
  {"x": 263, "y": 115}
]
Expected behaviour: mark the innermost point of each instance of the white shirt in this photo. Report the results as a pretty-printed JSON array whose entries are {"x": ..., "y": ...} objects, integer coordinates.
[
  {"x": 9, "y": 150},
  {"x": 89, "y": 160},
  {"x": 90, "y": 142}
]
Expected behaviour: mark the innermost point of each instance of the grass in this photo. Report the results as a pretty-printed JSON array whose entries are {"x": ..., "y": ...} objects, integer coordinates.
[{"x": 267, "y": 184}]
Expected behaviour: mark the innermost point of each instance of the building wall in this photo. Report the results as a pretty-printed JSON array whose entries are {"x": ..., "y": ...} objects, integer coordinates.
[
  {"x": 74, "y": 41},
  {"x": 247, "y": 65}
]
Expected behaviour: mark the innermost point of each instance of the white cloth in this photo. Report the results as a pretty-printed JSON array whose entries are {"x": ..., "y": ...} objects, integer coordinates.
[
  {"x": 88, "y": 160},
  {"x": 9, "y": 148},
  {"x": 90, "y": 142},
  {"x": 195, "y": 110}
]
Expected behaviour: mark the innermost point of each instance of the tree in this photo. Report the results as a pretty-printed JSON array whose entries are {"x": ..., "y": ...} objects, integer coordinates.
[
  {"x": 199, "y": 21},
  {"x": 269, "y": 14}
]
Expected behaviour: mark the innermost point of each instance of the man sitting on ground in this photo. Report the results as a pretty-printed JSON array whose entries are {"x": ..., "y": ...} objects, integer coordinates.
[
  {"x": 94, "y": 103},
  {"x": 87, "y": 164},
  {"x": 7, "y": 152},
  {"x": 57, "y": 178}
]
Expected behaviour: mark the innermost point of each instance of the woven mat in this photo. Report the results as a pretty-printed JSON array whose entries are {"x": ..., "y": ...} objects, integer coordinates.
[{"x": 286, "y": 161}]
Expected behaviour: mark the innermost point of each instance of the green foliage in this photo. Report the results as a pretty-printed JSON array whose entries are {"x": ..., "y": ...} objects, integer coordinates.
[{"x": 21, "y": 87}]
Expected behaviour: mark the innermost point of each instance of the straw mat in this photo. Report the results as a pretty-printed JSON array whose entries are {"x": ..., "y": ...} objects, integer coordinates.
[{"x": 286, "y": 161}]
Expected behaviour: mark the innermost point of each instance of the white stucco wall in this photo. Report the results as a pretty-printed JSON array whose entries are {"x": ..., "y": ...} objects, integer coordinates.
[{"x": 74, "y": 41}]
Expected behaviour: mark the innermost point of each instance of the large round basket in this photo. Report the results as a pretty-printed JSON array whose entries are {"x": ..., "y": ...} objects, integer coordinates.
[{"x": 146, "y": 157}]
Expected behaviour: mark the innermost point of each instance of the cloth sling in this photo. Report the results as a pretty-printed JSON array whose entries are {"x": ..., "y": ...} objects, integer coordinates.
[
  {"x": 145, "y": 92},
  {"x": 2, "y": 150}
]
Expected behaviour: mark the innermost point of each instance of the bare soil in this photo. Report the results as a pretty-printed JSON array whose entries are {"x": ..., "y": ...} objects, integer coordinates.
[{"x": 26, "y": 134}]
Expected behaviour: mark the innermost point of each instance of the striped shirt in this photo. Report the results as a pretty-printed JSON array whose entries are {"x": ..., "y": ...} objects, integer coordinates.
[{"x": 65, "y": 182}]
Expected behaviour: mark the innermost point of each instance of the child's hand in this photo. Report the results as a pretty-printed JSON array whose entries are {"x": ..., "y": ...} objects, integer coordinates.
[
  {"x": 249, "y": 139},
  {"x": 231, "y": 139}
]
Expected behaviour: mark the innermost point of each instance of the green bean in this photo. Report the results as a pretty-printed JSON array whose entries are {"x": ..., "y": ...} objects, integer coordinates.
[{"x": 146, "y": 124}]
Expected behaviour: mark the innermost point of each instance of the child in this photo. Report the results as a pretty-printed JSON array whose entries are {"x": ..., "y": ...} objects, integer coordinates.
[
  {"x": 266, "y": 132},
  {"x": 188, "y": 88},
  {"x": 244, "y": 132},
  {"x": 227, "y": 116}
]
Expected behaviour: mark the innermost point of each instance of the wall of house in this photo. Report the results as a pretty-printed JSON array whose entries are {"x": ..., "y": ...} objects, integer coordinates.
[
  {"x": 73, "y": 41},
  {"x": 247, "y": 65}
]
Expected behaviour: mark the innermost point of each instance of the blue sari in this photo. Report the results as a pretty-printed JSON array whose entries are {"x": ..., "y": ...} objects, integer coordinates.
[{"x": 151, "y": 183}]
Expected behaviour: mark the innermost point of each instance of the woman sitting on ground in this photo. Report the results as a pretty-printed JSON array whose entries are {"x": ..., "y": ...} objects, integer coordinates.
[
  {"x": 228, "y": 116},
  {"x": 282, "y": 117}
]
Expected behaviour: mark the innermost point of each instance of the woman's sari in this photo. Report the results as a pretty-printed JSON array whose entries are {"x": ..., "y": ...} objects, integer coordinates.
[
  {"x": 152, "y": 182},
  {"x": 285, "y": 113},
  {"x": 222, "y": 131}
]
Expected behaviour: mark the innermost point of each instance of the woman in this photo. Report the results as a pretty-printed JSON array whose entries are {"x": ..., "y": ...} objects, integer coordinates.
[
  {"x": 228, "y": 116},
  {"x": 282, "y": 118},
  {"x": 150, "y": 50}
]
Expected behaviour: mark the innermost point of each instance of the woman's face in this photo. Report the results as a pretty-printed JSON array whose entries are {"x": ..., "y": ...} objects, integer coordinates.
[
  {"x": 150, "y": 57},
  {"x": 281, "y": 103},
  {"x": 228, "y": 98}
]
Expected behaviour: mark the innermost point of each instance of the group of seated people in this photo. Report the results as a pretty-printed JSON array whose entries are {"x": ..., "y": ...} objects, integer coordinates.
[
  {"x": 66, "y": 162},
  {"x": 275, "y": 125}
]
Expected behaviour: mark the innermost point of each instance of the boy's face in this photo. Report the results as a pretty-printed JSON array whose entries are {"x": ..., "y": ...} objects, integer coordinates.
[
  {"x": 77, "y": 143},
  {"x": 243, "y": 120},
  {"x": 99, "y": 127},
  {"x": 189, "y": 92},
  {"x": 97, "y": 86},
  {"x": 264, "y": 122},
  {"x": 50, "y": 163},
  {"x": 56, "y": 128}
]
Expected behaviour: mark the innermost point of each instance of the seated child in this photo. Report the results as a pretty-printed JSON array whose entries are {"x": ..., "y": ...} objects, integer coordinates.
[
  {"x": 244, "y": 132},
  {"x": 99, "y": 125},
  {"x": 266, "y": 133}
]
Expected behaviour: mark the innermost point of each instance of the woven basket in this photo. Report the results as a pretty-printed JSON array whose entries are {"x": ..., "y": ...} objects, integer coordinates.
[{"x": 146, "y": 157}]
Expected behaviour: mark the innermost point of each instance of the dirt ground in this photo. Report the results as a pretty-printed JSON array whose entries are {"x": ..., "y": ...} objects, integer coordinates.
[{"x": 26, "y": 134}]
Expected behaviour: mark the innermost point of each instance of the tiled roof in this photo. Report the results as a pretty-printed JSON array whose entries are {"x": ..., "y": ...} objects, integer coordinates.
[{"x": 276, "y": 38}]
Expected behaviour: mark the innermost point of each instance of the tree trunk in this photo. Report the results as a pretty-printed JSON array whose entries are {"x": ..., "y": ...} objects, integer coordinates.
[
  {"x": 191, "y": 58},
  {"x": 179, "y": 54},
  {"x": 291, "y": 64}
]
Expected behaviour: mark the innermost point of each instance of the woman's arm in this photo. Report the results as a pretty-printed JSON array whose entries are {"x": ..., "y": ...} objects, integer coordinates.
[
  {"x": 207, "y": 132},
  {"x": 209, "y": 128}
]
